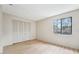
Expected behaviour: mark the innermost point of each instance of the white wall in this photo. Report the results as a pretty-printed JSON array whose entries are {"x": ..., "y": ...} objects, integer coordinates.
[
  {"x": 0, "y": 23},
  {"x": 8, "y": 29},
  {"x": 45, "y": 30},
  {"x": 0, "y": 30}
]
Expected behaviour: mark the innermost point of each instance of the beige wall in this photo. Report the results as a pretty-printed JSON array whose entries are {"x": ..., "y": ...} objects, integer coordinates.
[
  {"x": 0, "y": 30},
  {"x": 0, "y": 22},
  {"x": 45, "y": 30},
  {"x": 8, "y": 29}
]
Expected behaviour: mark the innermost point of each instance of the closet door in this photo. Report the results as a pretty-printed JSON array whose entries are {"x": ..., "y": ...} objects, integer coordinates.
[
  {"x": 15, "y": 31},
  {"x": 21, "y": 31},
  {"x": 26, "y": 31}
]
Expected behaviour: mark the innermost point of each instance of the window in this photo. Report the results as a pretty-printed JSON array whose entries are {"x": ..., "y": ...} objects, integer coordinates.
[
  {"x": 63, "y": 26},
  {"x": 57, "y": 26}
]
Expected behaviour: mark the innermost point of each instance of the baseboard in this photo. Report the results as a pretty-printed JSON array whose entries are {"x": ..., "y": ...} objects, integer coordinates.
[
  {"x": 74, "y": 49},
  {"x": 24, "y": 41},
  {"x": 1, "y": 50}
]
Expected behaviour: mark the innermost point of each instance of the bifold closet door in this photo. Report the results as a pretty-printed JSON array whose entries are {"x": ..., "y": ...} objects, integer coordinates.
[{"x": 21, "y": 31}]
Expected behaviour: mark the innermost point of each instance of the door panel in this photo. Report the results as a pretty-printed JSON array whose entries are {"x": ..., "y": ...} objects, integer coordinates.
[{"x": 21, "y": 31}]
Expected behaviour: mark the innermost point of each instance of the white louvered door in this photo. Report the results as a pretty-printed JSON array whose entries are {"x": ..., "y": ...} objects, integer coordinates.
[{"x": 21, "y": 31}]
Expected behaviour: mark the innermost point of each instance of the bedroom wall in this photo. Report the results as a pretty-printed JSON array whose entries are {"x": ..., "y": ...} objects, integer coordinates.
[
  {"x": 45, "y": 30},
  {"x": 0, "y": 22},
  {"x": 8, "y": 29},
  {"x": 0, "y": 29}
]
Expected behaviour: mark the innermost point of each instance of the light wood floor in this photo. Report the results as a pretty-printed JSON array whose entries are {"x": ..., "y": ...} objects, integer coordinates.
[{"x": 35, "y": 47}]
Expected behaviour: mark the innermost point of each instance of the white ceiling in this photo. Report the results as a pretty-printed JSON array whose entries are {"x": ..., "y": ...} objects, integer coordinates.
[{"x": 38, "y": 11}]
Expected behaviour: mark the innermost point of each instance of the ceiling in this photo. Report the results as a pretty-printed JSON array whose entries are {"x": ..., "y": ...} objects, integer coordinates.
[{"x": 38, "y": 11}]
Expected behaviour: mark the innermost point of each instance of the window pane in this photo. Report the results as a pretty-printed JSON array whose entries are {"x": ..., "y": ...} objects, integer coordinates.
[
  {"x": 57, "y": 26},
  {"x": 67, "y": 25}
]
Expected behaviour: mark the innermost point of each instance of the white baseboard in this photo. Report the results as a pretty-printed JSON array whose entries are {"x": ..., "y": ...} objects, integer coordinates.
[{"x": 1, "y": 50}]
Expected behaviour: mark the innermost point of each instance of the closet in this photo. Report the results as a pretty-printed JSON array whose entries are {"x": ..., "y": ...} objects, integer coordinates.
[{"x": 21, "y": 31}]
